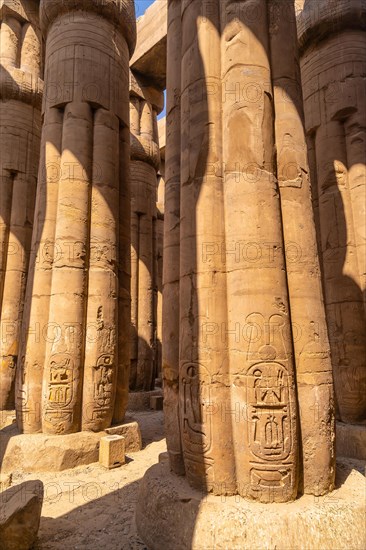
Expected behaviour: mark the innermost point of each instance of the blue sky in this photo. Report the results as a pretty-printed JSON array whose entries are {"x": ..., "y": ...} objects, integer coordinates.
[{"x": 141, "y": 6}]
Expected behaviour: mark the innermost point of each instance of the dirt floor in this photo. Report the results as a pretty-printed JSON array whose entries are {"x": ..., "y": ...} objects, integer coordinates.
[{"x": 91, "y": 508}]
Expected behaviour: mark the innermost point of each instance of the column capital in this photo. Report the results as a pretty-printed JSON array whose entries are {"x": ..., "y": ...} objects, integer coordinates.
[
  {"x": 23, "y": 10},
  {"x": 21, "y": 85},
  {"x": 320, "y": 18},
  {"x": 21, "y": 66},
  {"x": 141, "y": 88},
  {"x": 120, "y": 12}
]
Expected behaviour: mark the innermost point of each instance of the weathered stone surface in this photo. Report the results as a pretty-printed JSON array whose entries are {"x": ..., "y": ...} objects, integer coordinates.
[
  {"x": 320, "y": 19},
  {"x": 333, "y": 65},
  {"x": 171, "y": 265},
  {"x": 5, "y": 481},
  {"x": 248, "y": 386},
  {"x": 20, "y": 513},
  {"x": 45, "y": 453},
  {"x": 20, "y": 129},
  {"x": 71, "y": 377},
  {"x": 7, "y": 418},
  {"x": 112, "y": 451},
  {"x": 170, "y": 514},
  {"x": 351, "y": 440},
  {"x": 248, "y": 402},
  {"x": 42, "y": 453},
  {"x": 121, "y": 13},
  {"x": 132, "y": 434}
]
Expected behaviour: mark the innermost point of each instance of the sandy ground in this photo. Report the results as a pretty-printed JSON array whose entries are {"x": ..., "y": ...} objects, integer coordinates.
[{"x": 93, "y": 508}]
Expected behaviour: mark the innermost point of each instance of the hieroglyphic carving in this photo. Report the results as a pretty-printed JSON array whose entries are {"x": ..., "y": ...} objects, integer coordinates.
[
  {"x": 270, "y": 423},
  {"x": 270, "y": 439},
  {"x": 60, "y": 391},
  {"x": 268, "y": 398},
  {"x": 197, "y": 419},
  {"x": 103, "y": 381}
]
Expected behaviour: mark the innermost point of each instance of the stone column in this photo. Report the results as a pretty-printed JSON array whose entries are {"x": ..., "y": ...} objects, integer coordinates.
[
  {"x": 255, "y": 400},
  {"x": 170, "y": 328},
  {"x": 160, "y": 245},
  {"x": 20, "y": 130},
  {"x": 311, "y": 345},
  {"x": 145, "y": 104},
  {"x": 75, "y": 376},
  {"x": 335, "y": 116}
]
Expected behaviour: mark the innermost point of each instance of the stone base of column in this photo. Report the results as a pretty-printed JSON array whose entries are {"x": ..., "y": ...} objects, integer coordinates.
[
  {"x": 170, "y": 514},
  {"x": 140, "y": 400},
  {"x": 54, "y": 453},
  {"x": 351, "y": 440}
]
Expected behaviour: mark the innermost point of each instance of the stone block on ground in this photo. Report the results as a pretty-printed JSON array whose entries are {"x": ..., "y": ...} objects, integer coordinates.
[
  {"x": 164, "y": 458},
  {"x": 140, "y": 400},
  {"x": 47, "y": 453},
  {"x": 351, "y": 440},
  {"x": 54, "y": 453},
  {"x": 156, "y": 402},
  {"x": 112, "y": 451},
  {"x": 131, "y": 433},
  {"x": 20, "y": 513}
]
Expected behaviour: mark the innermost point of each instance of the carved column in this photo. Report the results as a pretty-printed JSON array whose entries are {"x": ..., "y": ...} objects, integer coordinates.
[
  {"x": 335, "y": 116},
  {"x": 145, "y": 103},
  {"x": 160, "y": 247},
  {"x": 75, "y": 376},
  {"x": 20, "y": 113},
  {"x": 255, "y": 400},
  {"x": 170, "y": 328}
]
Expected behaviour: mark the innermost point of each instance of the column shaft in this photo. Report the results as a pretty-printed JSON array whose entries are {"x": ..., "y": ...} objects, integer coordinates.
[
  {"x": 170, "y": 327},
  {"x": 145, "y": 162},
  {"x": 84, "y": 285},
  {"x": 20, "y": 114},
  {"x": 101, "y": 352},
  {"x": 334, "y": 100},
  {"x": 311, "y": 345}
]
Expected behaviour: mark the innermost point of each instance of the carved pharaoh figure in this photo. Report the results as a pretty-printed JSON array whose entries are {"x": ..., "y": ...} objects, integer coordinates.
[
  {"x": 75, "y": 357},
  {"x": 246, "y": 361},
  {"x": 20, "y": 114},
  {"x": 335, "y": 117},
  {"x": 145, "y": 103}
]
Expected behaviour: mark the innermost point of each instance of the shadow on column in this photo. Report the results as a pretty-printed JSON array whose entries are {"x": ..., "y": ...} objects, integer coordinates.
[{"x": 194, "y": 404}]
